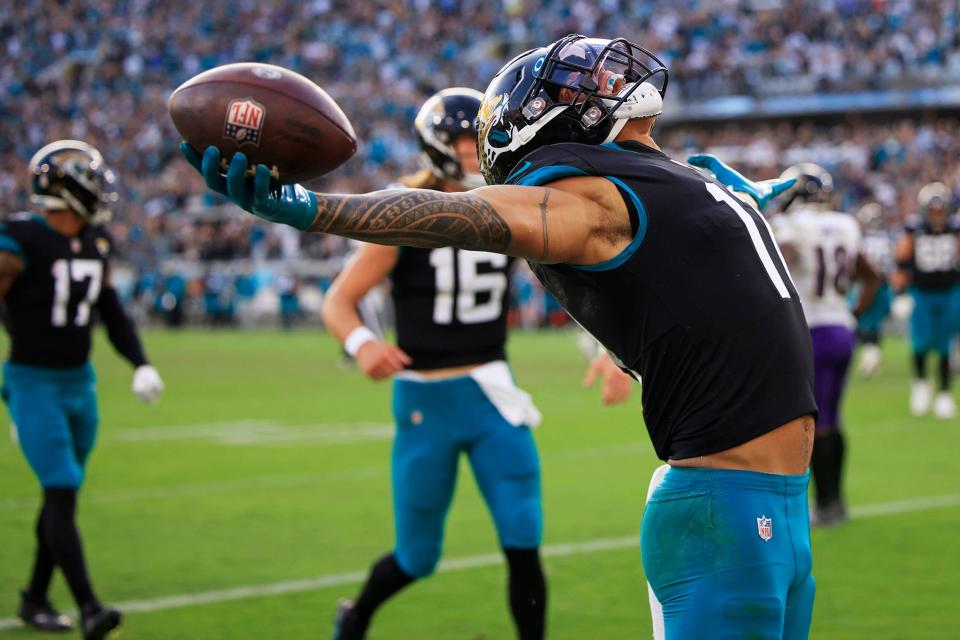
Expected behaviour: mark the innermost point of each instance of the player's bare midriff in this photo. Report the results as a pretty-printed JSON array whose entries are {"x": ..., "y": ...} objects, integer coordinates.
[
  {"x": 785, "y": 450},
  {"x": 446, "y": 372}
]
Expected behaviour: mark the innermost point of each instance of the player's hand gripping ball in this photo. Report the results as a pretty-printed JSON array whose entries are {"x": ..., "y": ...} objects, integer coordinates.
[{"x": 289, "y": 204}]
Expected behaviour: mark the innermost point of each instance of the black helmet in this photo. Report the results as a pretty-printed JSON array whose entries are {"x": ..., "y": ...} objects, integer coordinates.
[
  {"x": 578, "y": 89},
  {"x": 71, "y": 174},
  {"x": 814, "y": 184},
  {"x": 445, "y": 116}
]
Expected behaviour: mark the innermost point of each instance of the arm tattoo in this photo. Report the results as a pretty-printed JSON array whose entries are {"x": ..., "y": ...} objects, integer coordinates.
[
  {"x": 415, "y": 218},
  {"x": 543, "y": 221}
]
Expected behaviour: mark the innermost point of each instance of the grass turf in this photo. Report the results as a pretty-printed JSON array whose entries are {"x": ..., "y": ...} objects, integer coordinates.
[{"x": 265, "y": 463}]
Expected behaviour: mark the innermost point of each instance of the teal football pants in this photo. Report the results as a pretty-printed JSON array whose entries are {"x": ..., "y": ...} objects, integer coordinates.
[
  {"x": 727, "y": 555},
  {"x": 55, "y": 411},
  {"x": 933, "y": 321},
  {"x": 436, "y": 422}
]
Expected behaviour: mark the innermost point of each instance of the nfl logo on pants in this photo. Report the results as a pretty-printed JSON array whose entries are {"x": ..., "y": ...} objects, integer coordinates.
[{"x": 765, "y": 528}]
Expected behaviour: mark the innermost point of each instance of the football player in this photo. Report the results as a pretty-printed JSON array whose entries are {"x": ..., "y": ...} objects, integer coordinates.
[
  {"x": 674, "y": 273},
  {"x": 877, "y": 244},
  {"x": 927, "y": 256},
  {"x": 55, "y": 279},
  {"x": 823, "y": 251},
  {"x": 453, "y": 392}
]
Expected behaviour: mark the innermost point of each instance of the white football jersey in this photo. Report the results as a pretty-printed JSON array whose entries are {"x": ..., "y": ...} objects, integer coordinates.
[{"x": 826, "y": 245}]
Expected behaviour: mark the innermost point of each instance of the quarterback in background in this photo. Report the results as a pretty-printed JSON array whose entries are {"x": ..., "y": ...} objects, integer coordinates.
[
  {"x": 927, "y": 257},
  {"x": 453, "y": 392},
  {"x": 54, "y": 279},
  {"x": 823, "y": 250}
]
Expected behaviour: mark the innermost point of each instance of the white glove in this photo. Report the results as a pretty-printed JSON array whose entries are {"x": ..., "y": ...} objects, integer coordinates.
[
  {"x": 147, "y": 384},
  {"x": 902, "y": 306}
]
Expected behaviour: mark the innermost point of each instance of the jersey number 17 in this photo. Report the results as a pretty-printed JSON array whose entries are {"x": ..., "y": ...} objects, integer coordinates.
[{"x": 64, "y": 273}]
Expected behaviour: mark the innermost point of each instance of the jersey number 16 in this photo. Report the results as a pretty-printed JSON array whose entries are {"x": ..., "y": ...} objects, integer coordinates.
[{"x": 470, "y": 284}]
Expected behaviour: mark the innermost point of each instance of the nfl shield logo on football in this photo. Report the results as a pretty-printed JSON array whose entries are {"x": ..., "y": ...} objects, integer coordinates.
[
  {"x": 244, "y": 121},
  {"x": 765, "y": 528}
]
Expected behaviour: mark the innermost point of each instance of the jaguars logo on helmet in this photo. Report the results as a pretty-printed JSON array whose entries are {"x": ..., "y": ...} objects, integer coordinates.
[
  {"x": 445, "y": 116},
  {"x": 578, "y": 89},
  {"x": 71, "y": 174}
]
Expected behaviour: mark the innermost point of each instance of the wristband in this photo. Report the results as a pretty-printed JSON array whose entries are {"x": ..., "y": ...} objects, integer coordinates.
[{"x": 356, "y": 339}]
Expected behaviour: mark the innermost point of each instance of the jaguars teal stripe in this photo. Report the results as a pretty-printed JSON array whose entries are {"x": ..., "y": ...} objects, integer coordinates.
[
  {"x": 544, "y": 175},
  {"x": 526, "y": 165},
  {"x": 9, "y": 244},
  {"x": 631, "y": 248}
]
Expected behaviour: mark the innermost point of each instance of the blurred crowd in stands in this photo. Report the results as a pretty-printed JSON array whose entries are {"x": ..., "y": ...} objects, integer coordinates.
[{"x": 101, "y": 70}]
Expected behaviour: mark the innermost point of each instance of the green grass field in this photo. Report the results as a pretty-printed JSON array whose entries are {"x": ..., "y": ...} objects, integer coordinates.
[{"x": 266, "y": 466}]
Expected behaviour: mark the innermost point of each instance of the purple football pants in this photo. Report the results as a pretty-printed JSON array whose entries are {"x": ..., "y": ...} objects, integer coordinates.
[{"x": 832, "y": 352}]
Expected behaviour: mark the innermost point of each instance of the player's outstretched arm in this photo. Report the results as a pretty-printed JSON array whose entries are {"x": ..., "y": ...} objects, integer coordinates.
[
  {"x": 761, "y": 192},
  {"x": 365, "y": 269},
  {"x": 10, "y": 267},
  {"x": 580, "y": 220}
]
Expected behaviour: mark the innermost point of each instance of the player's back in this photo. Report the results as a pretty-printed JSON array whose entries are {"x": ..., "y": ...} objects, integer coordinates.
[
  {"x": 451, "y": 306},
  {"x": 50, "y": 304},
  {"x": 699, "y": 304},
  {"x": 825, "y": 246}
]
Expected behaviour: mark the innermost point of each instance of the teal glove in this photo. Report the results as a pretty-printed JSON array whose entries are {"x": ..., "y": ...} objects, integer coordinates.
[
  {"x": 763, "y": 192},
  {"x": 289, "y": 204}
]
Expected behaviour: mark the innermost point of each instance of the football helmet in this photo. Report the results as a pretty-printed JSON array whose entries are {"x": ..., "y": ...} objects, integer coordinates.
[
  {"x": 934, "y": 195},
  {"x": 445, "y": 116},
  {"x": 577, "y": 89},
  {"x": 870, "y": 216},
  {"x": 71, "y": 174},
  {"x": 814, "y": 184}
]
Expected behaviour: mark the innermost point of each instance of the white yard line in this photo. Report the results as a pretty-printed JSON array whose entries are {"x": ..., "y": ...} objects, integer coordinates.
[
  {"x": 465, "y": 563},
  {"x": 260, "y": 432},
  {"x": 287, "y": 481}
]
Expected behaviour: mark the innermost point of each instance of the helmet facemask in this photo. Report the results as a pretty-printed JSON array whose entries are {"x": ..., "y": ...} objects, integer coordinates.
[
  {"x": 579, "y": 89},
  {"x": 603, "y": 83}
]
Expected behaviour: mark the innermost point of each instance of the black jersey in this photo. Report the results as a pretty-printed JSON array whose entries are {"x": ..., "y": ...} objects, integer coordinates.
[
  {"x": 700, "y": 304},
  {"x": 50, "y": 305},
  {"x": 451, "y": 306},
  {"x": 935, "y": 254}
]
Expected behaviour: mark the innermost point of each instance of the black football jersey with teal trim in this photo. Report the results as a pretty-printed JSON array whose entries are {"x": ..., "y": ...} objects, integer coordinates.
[
  {"x": 51, "y": 303},
  {"x": 699, "y": 305},
  {"x": 451, "y": 306},
  {"x": 935, "y": 261}
]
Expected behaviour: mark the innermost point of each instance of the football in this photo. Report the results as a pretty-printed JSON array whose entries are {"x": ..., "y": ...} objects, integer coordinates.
[{"x": 275, "y": 116}]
